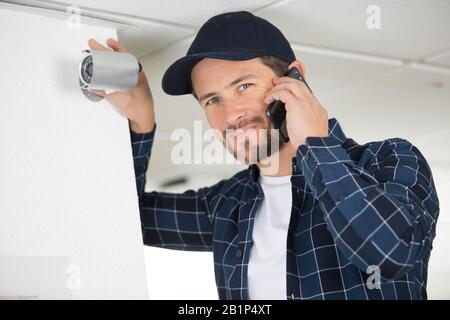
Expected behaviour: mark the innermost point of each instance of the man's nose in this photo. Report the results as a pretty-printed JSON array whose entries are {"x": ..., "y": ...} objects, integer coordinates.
[{"x": 234, "y": 112}]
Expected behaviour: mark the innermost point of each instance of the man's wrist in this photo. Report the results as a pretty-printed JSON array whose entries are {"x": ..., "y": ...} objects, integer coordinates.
[{"x": 143, "y": 127}]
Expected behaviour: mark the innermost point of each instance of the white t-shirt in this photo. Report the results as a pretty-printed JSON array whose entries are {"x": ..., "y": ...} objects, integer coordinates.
[{"x": 267, "y": 265}]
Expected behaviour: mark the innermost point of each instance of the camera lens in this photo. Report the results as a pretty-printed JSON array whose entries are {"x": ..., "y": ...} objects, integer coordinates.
[{"x": 87, "y": 69}]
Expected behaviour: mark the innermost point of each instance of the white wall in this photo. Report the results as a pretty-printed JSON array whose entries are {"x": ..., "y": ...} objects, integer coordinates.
[
  {"x": 439, "y": 267},
  {"x": 68, "y": 200}
]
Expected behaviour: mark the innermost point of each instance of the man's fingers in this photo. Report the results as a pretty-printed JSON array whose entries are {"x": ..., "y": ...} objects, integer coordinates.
[
  {"x": 290, "y": 86},
  {"x": 280, "y": 94},
  {"x": 98, "y": 92},
  {"x": 298, "y": 88},
  {"x": 94, "y": 45},
  {"x": 116, "y": 45},
  {"x": 113, "y": 45}
]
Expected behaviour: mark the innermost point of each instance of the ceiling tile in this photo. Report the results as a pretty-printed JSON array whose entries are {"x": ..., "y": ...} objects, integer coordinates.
[
  {"x": 189, "y": 12},
  {"x": 143, "y": 40},
  {"x": 325, "y": 73},
  {"x": 410, "y": 29},
  {"x": 442, "y": 60}
]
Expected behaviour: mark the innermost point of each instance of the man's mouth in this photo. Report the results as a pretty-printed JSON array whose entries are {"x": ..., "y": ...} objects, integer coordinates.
[
  {"x": 245, "y": 129},
  {"x": 249, "y": 127}
]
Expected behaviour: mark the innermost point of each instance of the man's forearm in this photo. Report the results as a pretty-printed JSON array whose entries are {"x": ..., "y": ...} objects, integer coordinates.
[
  {"x": 141, "y": 145},
  {"x": 377, "y": 212}
]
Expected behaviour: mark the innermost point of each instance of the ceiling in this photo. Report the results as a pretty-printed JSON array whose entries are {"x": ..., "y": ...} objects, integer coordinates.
[{"x": 394, "y": 81}]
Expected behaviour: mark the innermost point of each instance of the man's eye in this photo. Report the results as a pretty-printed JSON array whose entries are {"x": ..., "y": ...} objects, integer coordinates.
[
  {"x": 212, "y": 100},
  {"x": 245, "y": 86}
]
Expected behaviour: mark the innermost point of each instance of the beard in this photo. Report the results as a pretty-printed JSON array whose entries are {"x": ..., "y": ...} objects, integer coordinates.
[{"x": 256, "y": 144}]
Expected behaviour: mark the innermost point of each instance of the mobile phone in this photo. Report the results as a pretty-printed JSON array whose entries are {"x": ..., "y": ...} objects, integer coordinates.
[{"x": 276, "y": 111}]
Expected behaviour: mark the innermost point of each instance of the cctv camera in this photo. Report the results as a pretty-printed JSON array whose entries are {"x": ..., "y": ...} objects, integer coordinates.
[{"x": 108, "y": 70}]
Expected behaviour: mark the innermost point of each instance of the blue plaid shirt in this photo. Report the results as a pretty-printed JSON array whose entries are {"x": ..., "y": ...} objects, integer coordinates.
[{"x": 354, "y": 207}]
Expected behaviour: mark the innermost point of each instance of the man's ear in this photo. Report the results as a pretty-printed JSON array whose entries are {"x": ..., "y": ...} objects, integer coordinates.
[{"x": 299, "y": 65}]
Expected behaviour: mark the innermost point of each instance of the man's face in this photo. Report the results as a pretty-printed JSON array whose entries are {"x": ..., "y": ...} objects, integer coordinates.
[{"x": 232, "y": 95}]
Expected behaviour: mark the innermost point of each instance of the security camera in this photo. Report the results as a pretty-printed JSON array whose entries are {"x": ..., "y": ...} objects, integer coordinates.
[{"x": 108, "y": 70}]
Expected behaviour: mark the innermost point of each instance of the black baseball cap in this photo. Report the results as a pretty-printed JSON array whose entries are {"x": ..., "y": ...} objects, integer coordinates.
[{"x": 233, "y": 36}]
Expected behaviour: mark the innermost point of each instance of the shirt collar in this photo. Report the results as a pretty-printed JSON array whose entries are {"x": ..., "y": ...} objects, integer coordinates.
[{"x": 334, "y": 130}]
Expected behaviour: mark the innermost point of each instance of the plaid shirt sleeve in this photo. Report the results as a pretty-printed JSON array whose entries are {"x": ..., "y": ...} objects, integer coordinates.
[
  {"x": 173, "y": 221},
  {"x": 378, "y": 209}
]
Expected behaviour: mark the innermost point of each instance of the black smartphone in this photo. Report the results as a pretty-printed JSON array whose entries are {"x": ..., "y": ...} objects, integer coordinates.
[{"x": 276, "y": 110}]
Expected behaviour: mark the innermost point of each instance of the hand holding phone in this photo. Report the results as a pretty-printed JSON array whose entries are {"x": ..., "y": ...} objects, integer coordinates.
[{"x": 276, "y": 111}]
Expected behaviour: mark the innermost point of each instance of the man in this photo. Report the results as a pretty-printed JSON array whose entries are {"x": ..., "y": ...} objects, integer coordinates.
[{"x": 336, "y": 220}]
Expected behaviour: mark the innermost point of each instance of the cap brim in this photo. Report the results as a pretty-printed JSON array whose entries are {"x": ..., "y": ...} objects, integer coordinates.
[{"x": 177, "y": 78}]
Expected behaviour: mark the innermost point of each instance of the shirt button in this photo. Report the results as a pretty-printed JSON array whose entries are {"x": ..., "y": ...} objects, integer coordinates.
[
  {"x": 239, "y": 253},
  {"x": 307, "y": 157}
]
